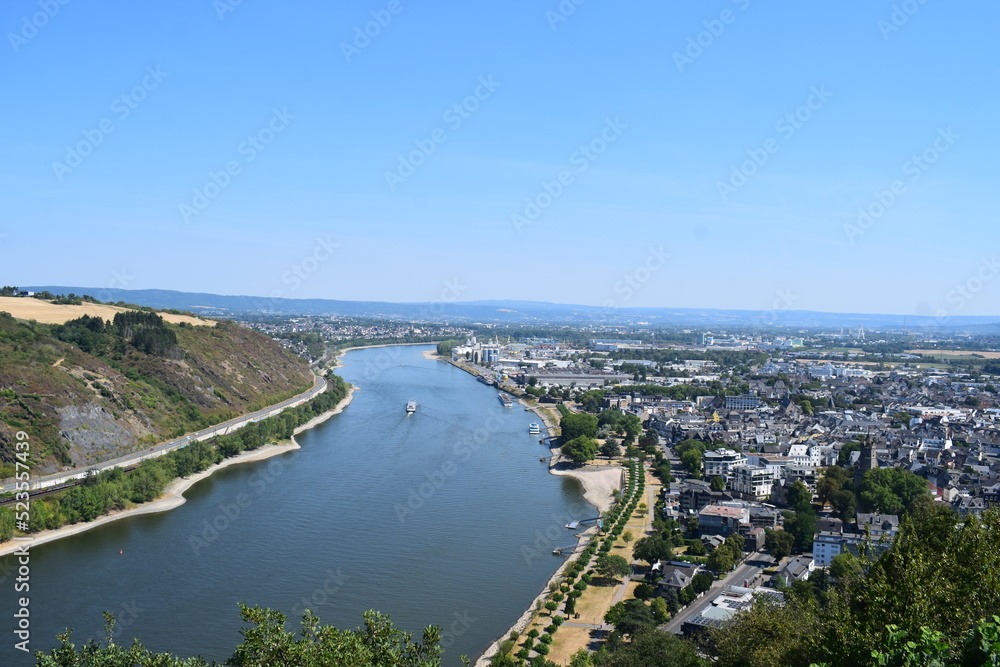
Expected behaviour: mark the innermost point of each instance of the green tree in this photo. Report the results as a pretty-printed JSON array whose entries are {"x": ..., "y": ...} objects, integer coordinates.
[
  {"x": 936, "y": 560},
  {"x": 581, "y": 449},
  {"x": 696, "y": 548},
  {"x": 7, "y": 523},
  {"x": 718, "y": 483},
  {"x": 610, "y": 448},
  {"x": 802, "y": 526},
  {"x": 835, "y": 478},
  {"x": 651, "y": 648},
  {"x": 661, "y": 613},
  {"x": 779, "y": 543},
  {"x": 612, "y": 418},
  {"x": 630, "y": 616},
  {"x": 689, "y": 445},
  {"x": 769, "y": 634},
  {"x": 673, "y": 603},
  {"x": 581, "y": 659},
  {"x": 702, "y": 582},
  {"x": 652, "y": 548},
  {"x": 844, "y": 456},
  {"x": 577, "y": 425},
  {"x": 843, "y": 503},
  {"x": 644, "y": 591},
  {"x": 890, "y": 490},
  {"x": 691, "y": 459},
  {"x": 266, "y": 643},
  {"x": 845, "y": 565},
  {"x": 721, "y": 560},
  {"x": 613, "y": 567},
  {"x": 798, "y": 496},
  {"x": 632, "y": 427}
]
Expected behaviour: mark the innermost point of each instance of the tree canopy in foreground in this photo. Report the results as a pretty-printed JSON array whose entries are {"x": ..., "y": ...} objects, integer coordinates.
[
  {"x": 266, "y": 643},
  {"x": 935, "y": 590}
]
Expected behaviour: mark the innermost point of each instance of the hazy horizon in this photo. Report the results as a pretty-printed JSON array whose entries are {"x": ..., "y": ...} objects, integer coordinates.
[{"x": 730, "y": 156}]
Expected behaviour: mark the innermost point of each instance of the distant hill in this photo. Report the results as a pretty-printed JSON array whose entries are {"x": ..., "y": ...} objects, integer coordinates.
[
  {"x": 522, "y": 312},
  {"x": 90, "y": 389}
]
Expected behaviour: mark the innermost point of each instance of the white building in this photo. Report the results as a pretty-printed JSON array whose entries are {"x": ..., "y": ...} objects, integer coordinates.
[
  {"x": 720, "y": 463},
  {"x": 753, "y": 481}
]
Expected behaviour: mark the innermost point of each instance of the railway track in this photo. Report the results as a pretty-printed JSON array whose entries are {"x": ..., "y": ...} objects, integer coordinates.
[{"x": 56, "y": 488}]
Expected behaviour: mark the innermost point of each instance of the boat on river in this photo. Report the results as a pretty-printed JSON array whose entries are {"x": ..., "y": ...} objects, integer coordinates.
[{"x": 411, "y": 407}]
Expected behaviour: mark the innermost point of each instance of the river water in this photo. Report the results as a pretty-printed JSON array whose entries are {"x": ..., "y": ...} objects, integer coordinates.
[{"x": 442, "y": 517}]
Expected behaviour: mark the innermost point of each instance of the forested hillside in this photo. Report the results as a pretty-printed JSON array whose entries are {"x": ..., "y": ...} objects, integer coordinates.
[{"x": 93, "y": 389}]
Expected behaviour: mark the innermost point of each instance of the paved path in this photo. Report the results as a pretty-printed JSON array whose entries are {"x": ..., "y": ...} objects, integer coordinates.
[
  {"x": 648, "y": 530},
  {"x": 589, "y": 626}
]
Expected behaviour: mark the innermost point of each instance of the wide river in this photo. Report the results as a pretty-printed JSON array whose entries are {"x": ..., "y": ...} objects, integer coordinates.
[{"x": 442, "y": 517}]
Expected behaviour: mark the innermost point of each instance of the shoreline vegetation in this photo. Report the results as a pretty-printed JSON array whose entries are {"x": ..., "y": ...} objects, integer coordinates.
[
  {"x": 597, "y": 483},
  {"x": 173, "y": 494}
]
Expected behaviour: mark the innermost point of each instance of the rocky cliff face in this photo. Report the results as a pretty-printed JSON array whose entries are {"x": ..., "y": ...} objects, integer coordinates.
[{"x": 84, "y": 398}]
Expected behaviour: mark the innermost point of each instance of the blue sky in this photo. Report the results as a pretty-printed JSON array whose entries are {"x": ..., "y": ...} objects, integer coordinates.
[{"x": 711, "y": 154}]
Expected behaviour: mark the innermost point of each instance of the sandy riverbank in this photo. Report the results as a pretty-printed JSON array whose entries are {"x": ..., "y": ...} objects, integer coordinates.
[
  {"x": 173, "y": 495},
  {"x": 525, "y": 618},
  {"x": 597, "y": 482}
]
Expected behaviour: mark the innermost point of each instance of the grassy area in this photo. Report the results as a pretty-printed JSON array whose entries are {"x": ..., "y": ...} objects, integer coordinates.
[{"x": 600, "y": 595}]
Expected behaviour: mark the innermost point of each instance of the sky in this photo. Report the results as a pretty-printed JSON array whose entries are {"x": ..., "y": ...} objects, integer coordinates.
[{"x": 724, "y": 154}]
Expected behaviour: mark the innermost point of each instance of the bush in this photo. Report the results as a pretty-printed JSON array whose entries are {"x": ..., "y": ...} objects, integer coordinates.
[
  {"x": 533, "y": 632},
  {"x": 543, "y": 649},
  {"x": 644, "y": 591},
  {"x": 557, "y": 620},
  {"x": 545, "y": 639}
]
